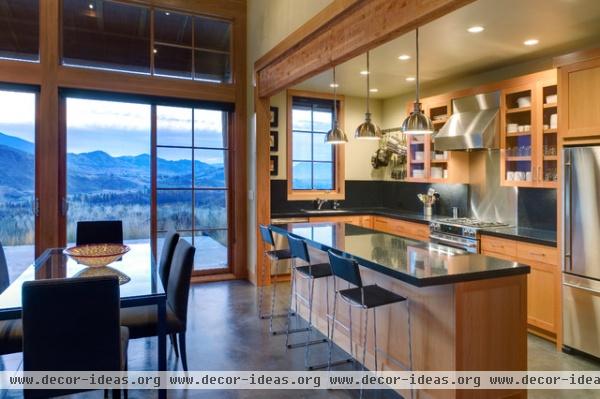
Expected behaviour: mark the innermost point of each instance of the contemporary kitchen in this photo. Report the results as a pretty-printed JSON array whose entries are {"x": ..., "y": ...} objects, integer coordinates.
[
  {"x": 455, "y": 164},
  {"x": 300, "y": 199}
]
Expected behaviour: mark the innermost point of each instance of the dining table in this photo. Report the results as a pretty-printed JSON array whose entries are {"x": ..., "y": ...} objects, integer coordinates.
[{"x": 140, "y": 285}]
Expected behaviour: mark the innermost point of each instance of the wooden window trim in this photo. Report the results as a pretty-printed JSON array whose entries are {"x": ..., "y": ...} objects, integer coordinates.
[{"x": 339, "y": 192}]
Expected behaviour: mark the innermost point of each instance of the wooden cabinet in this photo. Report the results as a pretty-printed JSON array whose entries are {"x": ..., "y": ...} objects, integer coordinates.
[
  {"x": 579, "y": 94},
  {"x": 425, "y": 163},
  {"x": 360, "y": 220},
  {"x": 543, "y": 283},
  {"x": 416, "y": 231},
  {"x": 528, "y": 132}
]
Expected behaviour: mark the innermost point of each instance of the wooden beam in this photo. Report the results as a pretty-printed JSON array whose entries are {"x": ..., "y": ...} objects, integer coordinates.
[
  {"x": 20, "y": 72},
  {"x": 366, "y": 25},
  {"x": 324, "y": 17}
]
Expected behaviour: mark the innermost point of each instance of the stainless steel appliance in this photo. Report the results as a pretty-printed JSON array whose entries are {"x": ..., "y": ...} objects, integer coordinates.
[
  {"x": 460, "y": 233},
  {"x": 581, "y": 249}
]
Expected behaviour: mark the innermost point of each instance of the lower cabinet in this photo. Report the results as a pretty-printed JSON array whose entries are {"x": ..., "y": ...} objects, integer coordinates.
[
  {"x": 416, "y": 231},
  {"x": 543, "y": 283},
  {"x": 360, "y": 220}
]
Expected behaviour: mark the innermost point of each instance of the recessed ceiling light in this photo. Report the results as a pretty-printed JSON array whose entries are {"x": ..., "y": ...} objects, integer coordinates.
[
  {"x": 404, "y": 57},
  {"x": 531, "y": 42},
  {"x": 364, "y": 73},
  {"x": 374, "y": 90},
  {"x": 155, "y": 51},
  {"x": 91, "y": 6},
  {"x": 411, "y": 79},
  {"x": 476, "y": 29},
  {"x": 167, "y": 14},
  {"x": 334, "y": 85}
]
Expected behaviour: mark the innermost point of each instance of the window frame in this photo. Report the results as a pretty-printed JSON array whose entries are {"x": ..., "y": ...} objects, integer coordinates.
[{"x": 339, "y": 190}]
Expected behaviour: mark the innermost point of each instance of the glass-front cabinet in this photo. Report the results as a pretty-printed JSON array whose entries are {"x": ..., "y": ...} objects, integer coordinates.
[{"x": 529, "y": 132}]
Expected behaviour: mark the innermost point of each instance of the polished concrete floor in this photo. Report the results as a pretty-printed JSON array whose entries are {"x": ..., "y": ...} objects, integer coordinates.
[{"x": 224, "y": 334}]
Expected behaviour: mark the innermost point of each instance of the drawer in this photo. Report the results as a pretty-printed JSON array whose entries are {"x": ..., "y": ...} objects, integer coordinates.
[
  {"x": 508, "y": 248},
  {"x": 498, "y": 255},
  {"x": 537, "y": 253}
]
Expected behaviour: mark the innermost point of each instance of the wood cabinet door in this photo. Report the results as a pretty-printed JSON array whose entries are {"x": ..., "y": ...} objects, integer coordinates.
[
  {"x": 579, "y": 99},
  {"x": 543, "y": 296}
]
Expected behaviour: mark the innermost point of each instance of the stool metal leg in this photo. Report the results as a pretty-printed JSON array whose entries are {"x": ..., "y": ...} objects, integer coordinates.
[
  {"x": 261, "y": 292},
  {"x": 329, "y": 363},
  {"x": 311, "y": 290},
  {"x": 291, "y": 313},
  {"x": 410, "y": 357},
  {"x": 375, "y": 336},
  {"x": 364, "y": 360}
]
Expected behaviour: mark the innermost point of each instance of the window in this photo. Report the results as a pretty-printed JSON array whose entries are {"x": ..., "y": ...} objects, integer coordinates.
[
  {"x": 19, "y": 35},
  {"x": 192, "y": 184},
  {"x": 116, "y": 36},
  {"x": 17, "y": 180},
  {"x": 315, "y": 168}
]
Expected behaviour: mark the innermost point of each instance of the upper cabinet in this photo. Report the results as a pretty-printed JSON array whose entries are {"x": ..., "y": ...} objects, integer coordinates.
[
  {"x": 579, "y": 94},
  {"x": 529, "y": 132}
]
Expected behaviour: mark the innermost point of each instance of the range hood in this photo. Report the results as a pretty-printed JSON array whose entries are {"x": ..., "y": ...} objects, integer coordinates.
[{"x": 474, "y": 124}]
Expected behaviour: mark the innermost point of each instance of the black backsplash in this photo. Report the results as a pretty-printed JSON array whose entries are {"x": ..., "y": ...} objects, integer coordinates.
[{"x": 536, "y": 206}]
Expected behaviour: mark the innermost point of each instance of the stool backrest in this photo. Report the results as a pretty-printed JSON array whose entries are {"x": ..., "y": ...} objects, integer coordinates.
[
  {"x": 298, "y": 248},
  {"x": 345, "y": 268},
  {"x": 267, "y": 235},
  {"x": 99, "y": 232}
]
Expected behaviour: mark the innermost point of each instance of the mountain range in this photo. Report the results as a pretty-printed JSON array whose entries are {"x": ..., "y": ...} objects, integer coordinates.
[{"x": 99, "y": 172}]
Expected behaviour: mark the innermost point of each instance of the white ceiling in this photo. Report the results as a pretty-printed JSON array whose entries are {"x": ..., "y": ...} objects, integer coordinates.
[{"x": 449, "y": 51}]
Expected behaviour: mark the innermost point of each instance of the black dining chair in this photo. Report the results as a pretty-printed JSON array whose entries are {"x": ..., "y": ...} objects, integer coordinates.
[
  {"x": 99, "y": 232},
  {"x": 72, "y": 325},
  {"x": 166, "y": 256},
  {"x": 142, "y": 321}
]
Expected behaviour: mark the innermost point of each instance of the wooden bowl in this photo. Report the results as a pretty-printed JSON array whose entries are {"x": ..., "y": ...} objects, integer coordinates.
[{"x": 97, "y": 255}]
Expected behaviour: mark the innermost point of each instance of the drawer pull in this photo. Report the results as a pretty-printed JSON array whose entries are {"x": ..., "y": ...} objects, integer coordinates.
[{"x": 537, "y": 253}]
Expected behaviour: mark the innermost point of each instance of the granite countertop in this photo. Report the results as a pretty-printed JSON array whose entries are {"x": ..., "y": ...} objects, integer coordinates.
[
  {"x": 535, "y": 236},
  {"x": 415, "y": 262}
]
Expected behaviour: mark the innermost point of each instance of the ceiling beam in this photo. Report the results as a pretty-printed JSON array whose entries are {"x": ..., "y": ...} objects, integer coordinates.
[{"x": 363, "y": 25}]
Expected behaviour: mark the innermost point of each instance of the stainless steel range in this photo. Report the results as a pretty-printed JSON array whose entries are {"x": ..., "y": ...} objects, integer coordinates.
[{"x": 460, "y": 233}]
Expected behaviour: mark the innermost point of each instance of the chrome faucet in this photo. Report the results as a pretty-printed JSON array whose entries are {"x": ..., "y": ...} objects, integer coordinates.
[{"x": 320, "y": 203}]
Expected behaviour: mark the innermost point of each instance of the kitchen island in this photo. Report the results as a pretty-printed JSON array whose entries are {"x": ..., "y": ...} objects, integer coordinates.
[{"x": 467, "y": 311}]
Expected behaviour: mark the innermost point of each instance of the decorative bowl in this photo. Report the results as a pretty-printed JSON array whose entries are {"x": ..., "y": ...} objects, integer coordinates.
[{"x": 97, "y": 255}]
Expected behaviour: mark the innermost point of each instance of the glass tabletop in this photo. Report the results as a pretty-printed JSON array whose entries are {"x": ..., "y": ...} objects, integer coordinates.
[{"x": 137, "y": 267}]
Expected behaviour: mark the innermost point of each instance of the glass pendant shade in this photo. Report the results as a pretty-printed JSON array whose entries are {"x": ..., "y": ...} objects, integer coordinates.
[
  {"x": 336, "y": 135},
  {"x": 417, "y": 122},
  {"x": 367, "y": 130}
]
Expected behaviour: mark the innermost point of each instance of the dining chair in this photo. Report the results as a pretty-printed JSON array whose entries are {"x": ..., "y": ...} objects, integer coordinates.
[
  {"x": 4, "y": 277},
  {"x": 166, "y": 256},
  {"x": 142, "y": 321},
  {"x": 11, "y": 332},
  {"x": 72, "y": 325},
  {"x": 99, "y": 232}
]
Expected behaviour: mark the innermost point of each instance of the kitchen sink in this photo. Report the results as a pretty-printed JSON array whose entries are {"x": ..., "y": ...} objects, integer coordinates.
[{"x": 318, "y": 211}]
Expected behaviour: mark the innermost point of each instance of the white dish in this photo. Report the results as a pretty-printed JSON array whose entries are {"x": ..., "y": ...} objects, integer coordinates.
[
  {"x": 552, "y": 99},
  {"x": 553, "y": 121},
  {"x": 437, "y": 172},
  {"x": 524, "y": 102},
  {"x": 512, "y": 128},
  {"x": 419, "y": 155}
]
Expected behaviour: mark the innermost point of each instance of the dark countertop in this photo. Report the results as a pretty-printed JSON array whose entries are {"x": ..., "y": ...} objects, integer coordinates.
[
  {"x": 535, "y": 236},
  {"x": 415, "y": 262}
]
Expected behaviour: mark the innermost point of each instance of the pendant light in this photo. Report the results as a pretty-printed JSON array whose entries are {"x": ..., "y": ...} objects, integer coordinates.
[
  {"x": 417, "y": 122},
  {"x": 367, "y": 129},
  {"x": 336, "y": 135}
]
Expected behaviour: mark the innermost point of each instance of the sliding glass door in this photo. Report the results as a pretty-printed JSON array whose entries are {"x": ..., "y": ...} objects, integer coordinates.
[
  {"x": 108, "y": 165},
  {"x": 155, "y": 167},
  {"x": 18, "y": 204},
  {"x": 192, "y": 184}
]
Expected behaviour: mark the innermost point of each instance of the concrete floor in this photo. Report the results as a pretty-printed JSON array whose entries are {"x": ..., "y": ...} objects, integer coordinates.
[{"x": 225, "y": 334}]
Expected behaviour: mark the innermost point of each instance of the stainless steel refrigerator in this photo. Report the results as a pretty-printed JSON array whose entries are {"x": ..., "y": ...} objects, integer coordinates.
[{"x": 581, "y": 249}]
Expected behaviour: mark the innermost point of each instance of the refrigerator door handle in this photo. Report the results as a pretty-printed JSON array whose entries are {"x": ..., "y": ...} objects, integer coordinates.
[
  {"x": 579, "y": 287},
  {"x": 567, "y": 236}
]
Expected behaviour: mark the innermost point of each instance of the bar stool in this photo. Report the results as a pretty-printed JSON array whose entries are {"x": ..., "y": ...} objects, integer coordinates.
[
  {"x": 310, "y": 272},
  {"x": 365, "y": 297},
  {"x": 273, "y": 255}
]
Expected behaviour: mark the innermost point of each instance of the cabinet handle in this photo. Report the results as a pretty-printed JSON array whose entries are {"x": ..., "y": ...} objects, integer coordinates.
[{"x": 537, "y": 253}]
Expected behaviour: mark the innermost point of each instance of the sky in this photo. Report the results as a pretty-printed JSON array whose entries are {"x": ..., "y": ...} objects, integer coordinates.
[{"x": 117, "y": 128}]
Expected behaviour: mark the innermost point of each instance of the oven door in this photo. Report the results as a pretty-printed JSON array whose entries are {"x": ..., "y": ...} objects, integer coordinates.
[{"x": 468, "y": 244}]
